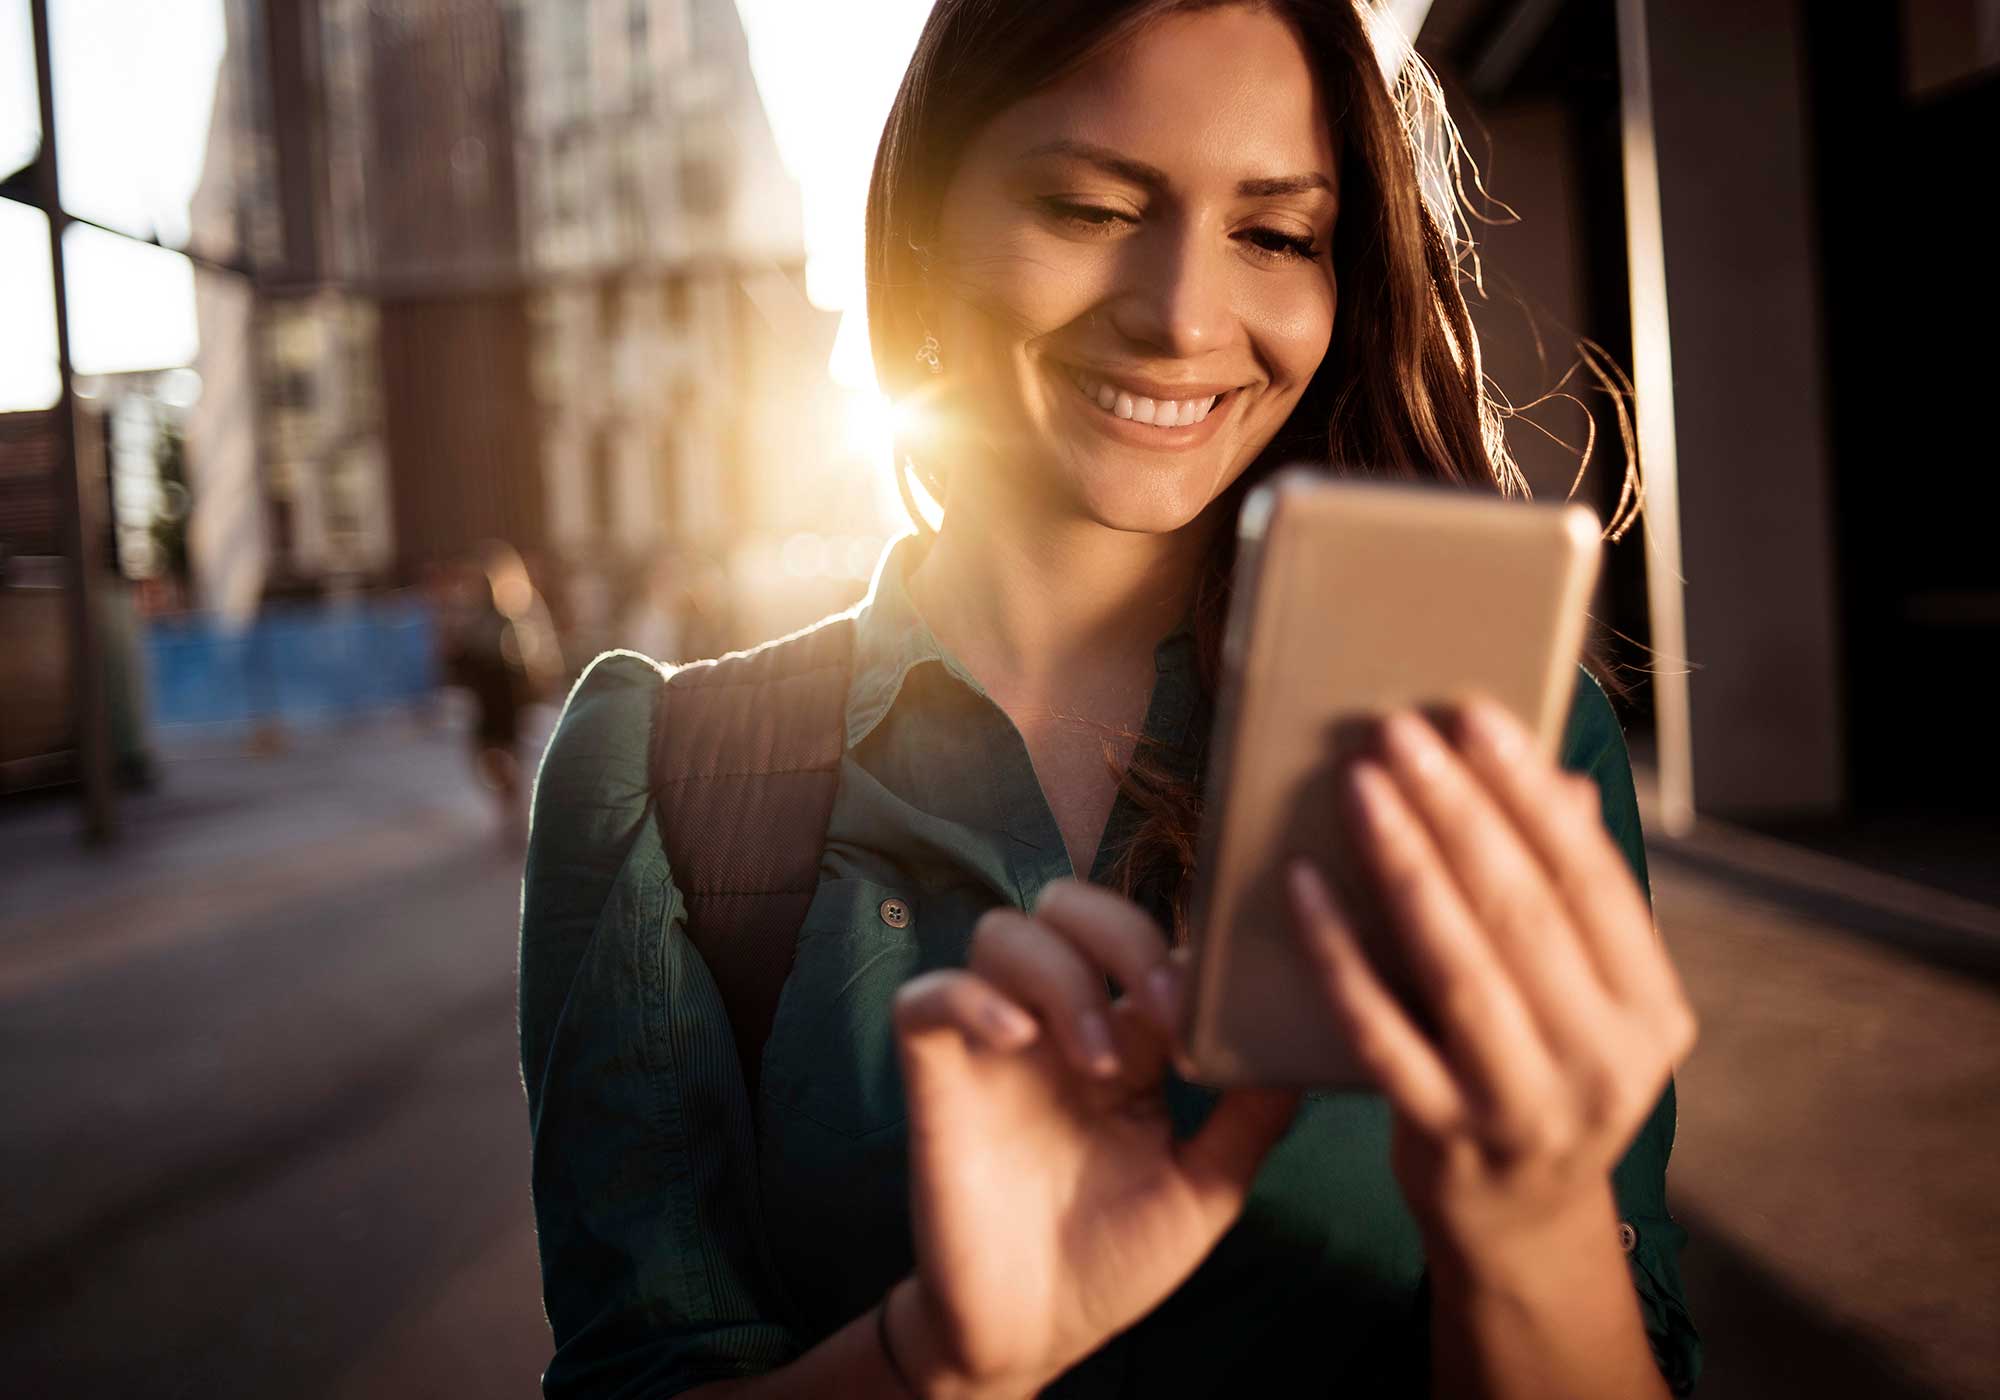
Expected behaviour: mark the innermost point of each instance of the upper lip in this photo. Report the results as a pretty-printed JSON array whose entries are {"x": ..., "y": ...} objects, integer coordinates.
[{"x": 1139, "y": 385}]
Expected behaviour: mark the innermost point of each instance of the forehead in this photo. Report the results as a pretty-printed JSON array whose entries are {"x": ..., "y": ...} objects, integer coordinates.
[{"x": 1224, "y": 92}]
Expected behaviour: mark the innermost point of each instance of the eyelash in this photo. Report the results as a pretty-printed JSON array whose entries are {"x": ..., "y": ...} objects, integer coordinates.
[{"x": 1095, "y": 217}]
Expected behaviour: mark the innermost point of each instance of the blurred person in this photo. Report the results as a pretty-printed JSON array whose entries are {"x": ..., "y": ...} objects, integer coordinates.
[
  {"x": 440, "y": 587},
  {"x": 1125, "y": 257},
  {"x": 550, "y": 583},
  {"x": 652, "y": 624},
  {"x": 502, "y": 648}
]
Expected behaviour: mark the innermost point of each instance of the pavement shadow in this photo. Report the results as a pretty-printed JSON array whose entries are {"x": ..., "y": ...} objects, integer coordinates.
[
  {"x": 1946, "y": 948},
  {"x": 1762, "y": 1341}
]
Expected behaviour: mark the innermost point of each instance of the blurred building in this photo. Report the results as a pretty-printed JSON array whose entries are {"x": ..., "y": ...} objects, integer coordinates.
[
  {"x": 507, "y": 258},
  {"x": 34, "y": 663},
  {"x": 289, "y": 464},
  {"x": 30, "y": 509},
  {"x": 1762, "y": 208},
  {"x": 652, "y": 191}
]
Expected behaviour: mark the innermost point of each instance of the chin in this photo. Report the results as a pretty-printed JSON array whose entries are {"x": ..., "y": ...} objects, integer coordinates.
[{"x": 1145, "y": 497}]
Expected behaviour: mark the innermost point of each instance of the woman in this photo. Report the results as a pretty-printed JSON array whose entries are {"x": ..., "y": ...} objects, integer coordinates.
[
  {"x": 972, "y": 1174},
  {"x": 502, "y": 648}
]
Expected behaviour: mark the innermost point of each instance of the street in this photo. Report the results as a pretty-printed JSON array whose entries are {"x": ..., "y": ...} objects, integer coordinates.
[
  {"x": 266, "y": 1128},
  {"x": 265, "y": 1132}
]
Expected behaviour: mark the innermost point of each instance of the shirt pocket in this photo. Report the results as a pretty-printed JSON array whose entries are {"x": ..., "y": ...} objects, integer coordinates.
[{"x": 831, "y": 1056}]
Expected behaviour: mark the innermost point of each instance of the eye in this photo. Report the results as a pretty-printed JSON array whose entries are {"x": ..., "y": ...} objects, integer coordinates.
[
  {"x": 1087, "y": 216},
  {"x": 1279, "y": 245}
]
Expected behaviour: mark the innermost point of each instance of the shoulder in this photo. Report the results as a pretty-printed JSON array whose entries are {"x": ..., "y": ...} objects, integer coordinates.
[
  {"x": 586, "y": 838},
  {"x": 593, "y": 790},
  {"x": 1592, "y": 733},
  {"x": 597, "y": 755},
  {"x": 1594, "y": 745}
]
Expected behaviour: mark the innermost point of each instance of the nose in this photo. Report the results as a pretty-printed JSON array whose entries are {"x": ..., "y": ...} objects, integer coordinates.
[{"x": 1175, "y": 294}]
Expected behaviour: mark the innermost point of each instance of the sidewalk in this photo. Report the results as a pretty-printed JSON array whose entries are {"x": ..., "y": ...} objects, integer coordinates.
[
  {"x": 260, "y": 1082},
  {"x": 1839, "y": 1122}
]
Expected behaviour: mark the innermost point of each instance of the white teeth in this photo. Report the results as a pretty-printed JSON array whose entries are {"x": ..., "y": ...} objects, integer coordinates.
[{"x": 1158, "y": 413}]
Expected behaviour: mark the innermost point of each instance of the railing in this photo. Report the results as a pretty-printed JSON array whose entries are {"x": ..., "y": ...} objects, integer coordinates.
[{"x": 299, "y": 665}]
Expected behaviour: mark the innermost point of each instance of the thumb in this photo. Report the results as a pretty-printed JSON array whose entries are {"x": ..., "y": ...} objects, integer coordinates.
[{"x": 1221, "y": 1160}]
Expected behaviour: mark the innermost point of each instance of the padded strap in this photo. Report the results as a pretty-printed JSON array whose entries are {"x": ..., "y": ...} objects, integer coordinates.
[{"x": 744, "y": 777}]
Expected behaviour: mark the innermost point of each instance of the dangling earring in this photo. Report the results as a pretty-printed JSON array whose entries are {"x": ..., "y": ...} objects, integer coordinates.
[{"x": 927, "y": 355}]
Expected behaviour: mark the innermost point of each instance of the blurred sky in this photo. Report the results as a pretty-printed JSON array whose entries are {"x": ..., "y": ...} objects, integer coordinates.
[{"x": 135, "y": 80}]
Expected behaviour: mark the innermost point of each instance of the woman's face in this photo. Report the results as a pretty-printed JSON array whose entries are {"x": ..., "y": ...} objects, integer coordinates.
[{"x": 1134, "y": 283}]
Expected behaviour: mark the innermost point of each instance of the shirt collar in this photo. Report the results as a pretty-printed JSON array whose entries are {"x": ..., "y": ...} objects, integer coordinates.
[{"x": 891, "y": 639}]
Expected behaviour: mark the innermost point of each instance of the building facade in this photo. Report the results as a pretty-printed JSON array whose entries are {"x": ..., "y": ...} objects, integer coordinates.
[
  {"x": 652, "y": 190},
  {"x": 509, "y": 258}
]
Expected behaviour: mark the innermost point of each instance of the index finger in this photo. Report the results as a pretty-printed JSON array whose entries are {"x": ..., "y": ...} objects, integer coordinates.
[{"x": 1120, "y": 938}]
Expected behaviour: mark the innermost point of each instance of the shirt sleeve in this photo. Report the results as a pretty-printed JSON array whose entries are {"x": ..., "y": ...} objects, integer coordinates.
[
  {"x": 1595, "y": 745},
  {"x": 655, "y": 1276}
]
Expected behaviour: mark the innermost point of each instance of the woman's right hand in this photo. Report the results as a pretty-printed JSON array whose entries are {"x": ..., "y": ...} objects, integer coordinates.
[{"x": 1051, "y": 1203}]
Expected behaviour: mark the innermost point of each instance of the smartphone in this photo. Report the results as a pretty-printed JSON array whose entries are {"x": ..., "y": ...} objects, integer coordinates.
[{"x": 1350, "y": 599}]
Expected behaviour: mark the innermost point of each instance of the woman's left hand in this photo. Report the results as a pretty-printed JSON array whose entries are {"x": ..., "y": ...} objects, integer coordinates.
[{"x": 1532, "y": 950}]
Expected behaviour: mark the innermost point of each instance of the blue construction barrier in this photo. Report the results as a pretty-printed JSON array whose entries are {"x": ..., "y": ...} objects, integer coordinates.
[{"x": 301, "y": 664}]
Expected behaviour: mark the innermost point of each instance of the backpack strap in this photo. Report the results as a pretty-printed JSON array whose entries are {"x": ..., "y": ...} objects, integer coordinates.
[{"x": 743, "y": 781}]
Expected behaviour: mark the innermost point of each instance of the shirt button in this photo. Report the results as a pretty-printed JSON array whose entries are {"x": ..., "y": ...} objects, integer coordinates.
[
  {"x": 1628, "y": 1238},
  {"x": 895, "y": 913}
]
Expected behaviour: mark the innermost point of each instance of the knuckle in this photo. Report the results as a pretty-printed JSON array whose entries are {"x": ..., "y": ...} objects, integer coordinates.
[
  {"x": 1682, "y": 1029},
  {"x": 1519, "y": 1133},
  {"x": 1518, "y": 910},
  {"x": 1600, "y": 1093}
]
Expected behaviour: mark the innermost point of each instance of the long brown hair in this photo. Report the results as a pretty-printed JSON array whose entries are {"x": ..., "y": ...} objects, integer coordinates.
[{"x": 1400, "y": 392}]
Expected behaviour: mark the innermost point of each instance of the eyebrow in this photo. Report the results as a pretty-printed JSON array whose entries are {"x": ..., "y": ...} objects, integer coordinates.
[{"x": 1151, "y": 176}]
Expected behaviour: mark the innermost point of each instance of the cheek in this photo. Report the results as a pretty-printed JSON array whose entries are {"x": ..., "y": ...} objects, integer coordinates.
[
  {"x": 1292, "y": 328},
  {"x": 1022, "y": 285}
]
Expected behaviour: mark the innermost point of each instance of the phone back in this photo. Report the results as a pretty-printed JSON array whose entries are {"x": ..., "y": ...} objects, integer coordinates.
[{"x": 1351, "y": 599}]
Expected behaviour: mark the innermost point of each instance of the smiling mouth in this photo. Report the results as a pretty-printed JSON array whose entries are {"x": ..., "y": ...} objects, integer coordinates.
[{"x": 1137, "y": 408}]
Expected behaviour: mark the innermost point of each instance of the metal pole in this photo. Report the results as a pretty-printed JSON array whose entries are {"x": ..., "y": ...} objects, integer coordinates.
[
  {"x": 1653, "y": 383},
  {"x": 85, "y": 513}
]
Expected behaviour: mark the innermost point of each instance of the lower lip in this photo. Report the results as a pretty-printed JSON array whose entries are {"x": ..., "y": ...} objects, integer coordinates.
[{"x": 1126, "y": 430}]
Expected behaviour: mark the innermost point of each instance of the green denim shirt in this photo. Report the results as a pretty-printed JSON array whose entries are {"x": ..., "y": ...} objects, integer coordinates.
[{"x": 678, "y": 1246}]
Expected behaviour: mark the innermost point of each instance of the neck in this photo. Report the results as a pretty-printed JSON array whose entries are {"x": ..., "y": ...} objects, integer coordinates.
[{"x": 1047, "y": 607}]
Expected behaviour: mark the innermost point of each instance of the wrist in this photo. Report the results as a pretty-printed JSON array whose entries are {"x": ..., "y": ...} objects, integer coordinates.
[
  {"x": 918, "y": 1351},
  {"x": 1557, "y": 1249}
]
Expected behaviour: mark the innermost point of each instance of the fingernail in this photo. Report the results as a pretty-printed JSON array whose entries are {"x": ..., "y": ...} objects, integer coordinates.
[
  {"x": 1416, "y": 742},
  {"x": 1497, "y": 728},
  {"x": 1364, "y": 784},
  {"x": 1010, "y": 1026},
  {"x": 1051, "y": 890},
  {"x": 1095, "y": 1033},
  {"x": 1163, "y": 985}
]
